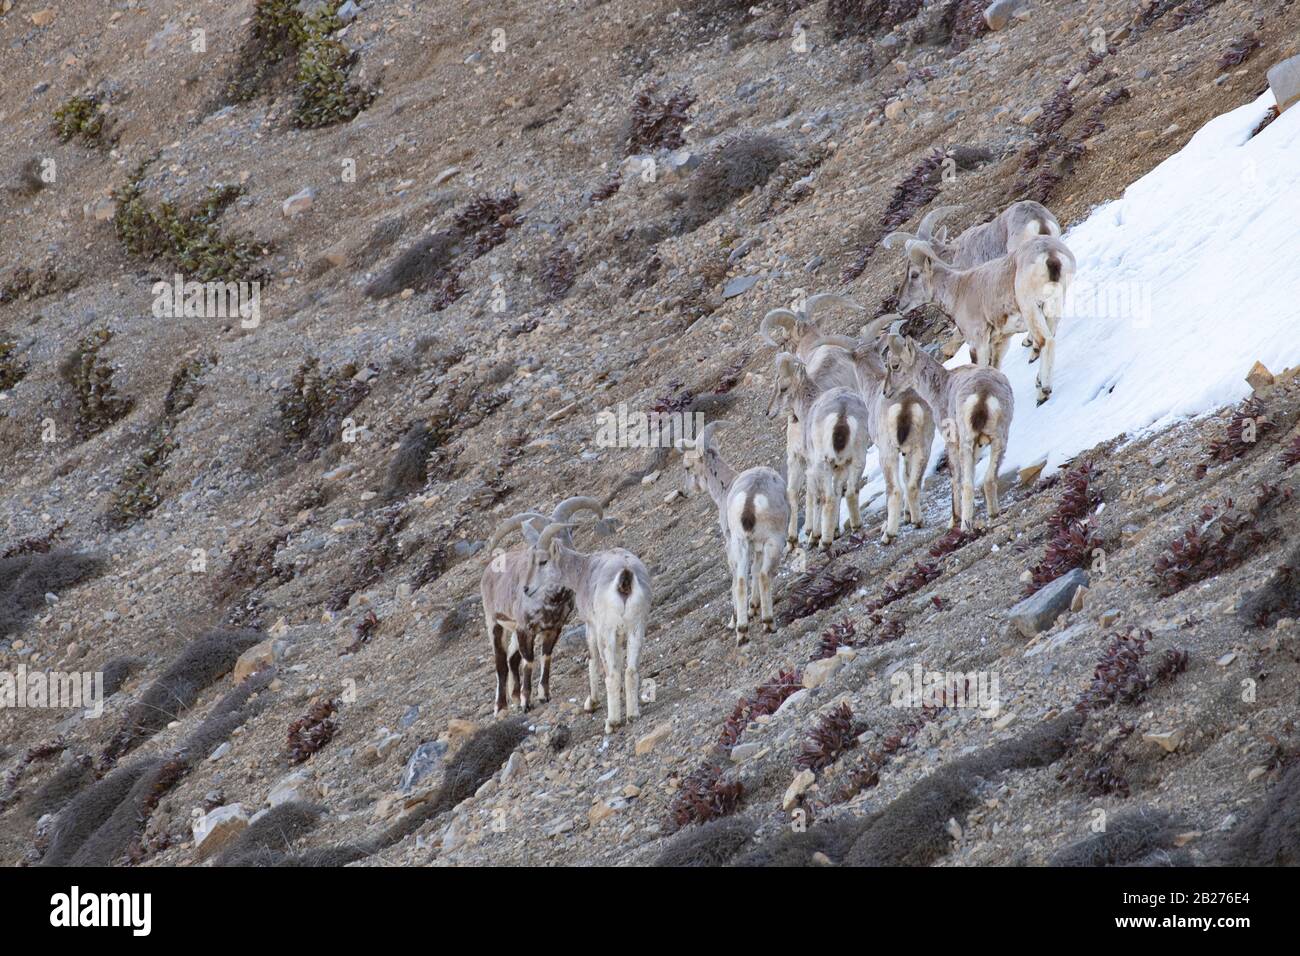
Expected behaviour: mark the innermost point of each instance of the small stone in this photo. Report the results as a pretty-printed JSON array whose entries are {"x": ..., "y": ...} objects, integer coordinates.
[
  {"x": 1107, "y": 618},
  {"x": 1227, "y": 659},
  {"x": 515, "y": 767},
  {"x": 651, "y": 740},
  {"x": 1029, "y": 474},
  {"x": 1029, "y": 117},
  {"x": 445, "y": 175},
  {"x": 297, "y": 787},
  {"x": 299, "y": 202},
  {"x": 1183, "y": 839},
  {"x": 100, "y": 210},
  {"x": 601, "y": 810},
  {"x": 1255, "y": 773},
  {"x": 42, "y": 18},
  {"x": 954, "y": 829},
  {"x": 1076, "y": 602},
  {"x": 1259, "y": 376},
  {"x": 254, "y": 659},
  {"x": 821, "y": 859},
  {"x": 216, "y": 828},
  {"x": 1169, "y": 740},
  {"x": 742, "y": 752},
  {"x": 819, "y": 672},
  {"x": 1004, "y": 721},
  {"x": 348, "y": 12},
  {"x": 894, "y": 109},
  {"x": 802, "y": 781}
]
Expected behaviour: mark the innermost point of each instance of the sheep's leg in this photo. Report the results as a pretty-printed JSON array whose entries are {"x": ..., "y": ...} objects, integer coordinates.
[
  {"x": 794, "y": 485},
  {"x": 811, "y": 509},
  {"x": 967, "y": 483},
  {"x": 830, "y": 503},
  {"x": 996, "y": 450},
  {"x": 740, "y": 599},
  {"x": 851, "y": 492},
  {"x": 954, "y": 476},
  {"x": 914, "y": 469},
  {"x": 515, "y": 683},
  {"x": 632, "y": 673},
  {"x": 1044, "y": 382},
  {"x": 499, "y": 655},
  {"x": 611, "y": 642},
  {"x": 593, "y": 673},
  {"x": 526, "y": 670},
  {"x": 893, "y": 497},
  {"x": 548, "y": 645},
  {"x": 771, "y": 559}
]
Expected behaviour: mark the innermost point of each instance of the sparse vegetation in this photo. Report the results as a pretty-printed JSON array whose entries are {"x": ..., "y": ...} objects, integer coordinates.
[
  {"x": 311, "y": 412},
  {"x": 1121, "y": 676},
  {"x": 1248, "y": 424},
  {"x": 728, "y": 172},
  {"x": 309, "y": 733},
  {"x": 98, "y": 404},
  {"x": 82, "y": 117},
  {"x": 187, "y": 239},
  {"x": 1226, "y": 536},
  {"x": 658, "y": 120},
  {"x": 26, "y": 283},
  {"x": 708, "y": 793},
  {"x": 766, "y": 699},
  {"x": 913, "y": 193},
  {"x": 436, "y": 261},
  {"x": 12, "y": 368},
  {"x": 1073, "y": 539},
  {"x": 25, "y": 579},
  {"x": 284, "y": 42},
  {"x": 200, "y": 664},
  {"x": 835, "y": 733}
]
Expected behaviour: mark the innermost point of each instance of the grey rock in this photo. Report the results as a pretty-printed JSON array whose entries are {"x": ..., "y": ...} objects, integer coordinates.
[
  {"x": 1037, "y": 612},
  {"x": 1284, "y": 80},
  {"x": 411, "y": 716},
  {"x": 348, "y": 12},
  {"x": 999, "y": 13},
  {"x": 428, "y": 757},
  {"x": 739, "y": 286}
]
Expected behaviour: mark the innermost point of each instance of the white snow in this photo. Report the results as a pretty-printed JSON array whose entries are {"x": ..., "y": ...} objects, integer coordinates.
[{"x": 1182, "y": 284}]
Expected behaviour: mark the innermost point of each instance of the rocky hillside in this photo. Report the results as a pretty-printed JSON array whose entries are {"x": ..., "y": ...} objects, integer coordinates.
[{"x": 478, "y": 226}]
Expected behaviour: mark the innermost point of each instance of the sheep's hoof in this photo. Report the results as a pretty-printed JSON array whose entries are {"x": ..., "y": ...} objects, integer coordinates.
[
  {"x": 768, "y": 626},
  {"x": 742, "y": 638},
  {"x": 827, "y": 546},
  {"x": 1034, "y": 356},
  {"x": 1028, "y": 342},
  {"x": 918, "y": 522},
  {"x": 887, "y": 538},
  {"x": 792, "y": 543},
  {"x": 1044, "y": 394},
  {"x": 611, "y": 726},
  {"x": 590, "y": 705},
  {"x": 500, "y": 712}
]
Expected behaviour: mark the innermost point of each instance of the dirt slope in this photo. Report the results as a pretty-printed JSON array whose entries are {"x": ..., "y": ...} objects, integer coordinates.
[{"x": 243, "y": 458}]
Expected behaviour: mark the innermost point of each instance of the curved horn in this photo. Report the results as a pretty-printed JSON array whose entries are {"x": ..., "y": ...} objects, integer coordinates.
[
  {"x": 931, "y": 219},
  {"x": 552, "y": 529},
  {"x": 871, "y": 331},
  {"x": 813, "y": 301},
  {"x": 705, "y": 436},
  {"x": 846, "y": 342},
  {"x": 566, "y": 508},
  {"x": 513, "y": 523},
  {"x": 892, "y": 240},
  {"x": 771, "y": 320},
  {"x": 896, "y": 329}
]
